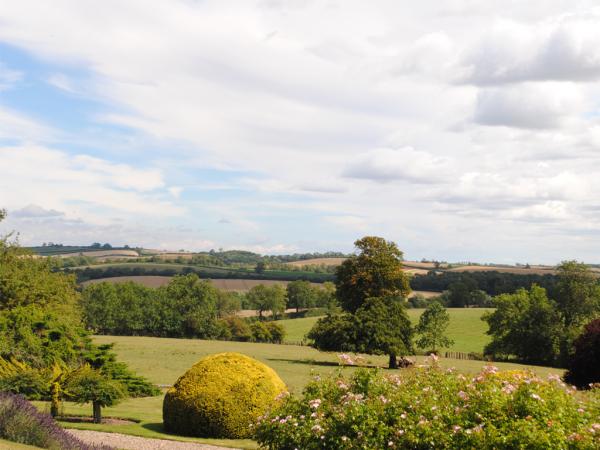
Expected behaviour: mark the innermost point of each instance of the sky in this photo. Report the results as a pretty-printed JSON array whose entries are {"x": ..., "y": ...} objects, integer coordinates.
[{"x": 462, "y": 130}]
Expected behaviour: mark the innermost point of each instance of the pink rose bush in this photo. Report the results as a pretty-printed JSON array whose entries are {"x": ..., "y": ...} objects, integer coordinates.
[{"x": 428, "y": 407}]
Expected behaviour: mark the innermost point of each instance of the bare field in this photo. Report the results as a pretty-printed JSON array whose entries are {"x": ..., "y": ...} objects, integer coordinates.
[
  {"x": 318, "y": 262},
  {"x": 516, "y": 270},
  {"x": 102, "y": 253}
]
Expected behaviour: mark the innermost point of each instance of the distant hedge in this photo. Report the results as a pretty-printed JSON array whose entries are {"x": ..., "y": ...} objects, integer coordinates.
[
  {"x": 493, "y": 283},
  {"x": 124, "y": 270}
]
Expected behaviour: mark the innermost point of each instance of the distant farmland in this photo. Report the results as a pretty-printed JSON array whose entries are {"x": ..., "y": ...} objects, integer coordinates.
[
  {"x": 317, "y": 262},
  {"x": 506, "y": 269},
  {"x": 220, "y": 283}
]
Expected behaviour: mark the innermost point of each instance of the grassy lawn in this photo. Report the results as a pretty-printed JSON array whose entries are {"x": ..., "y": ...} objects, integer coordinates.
[
  {"x": 164, "y": 360},
  {"x": 466, "y": 328},
  {"x": 9, "y": 445}
]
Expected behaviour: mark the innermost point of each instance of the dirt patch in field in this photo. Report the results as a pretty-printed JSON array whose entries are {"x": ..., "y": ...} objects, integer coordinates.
[{"x": 426, "y": 294}]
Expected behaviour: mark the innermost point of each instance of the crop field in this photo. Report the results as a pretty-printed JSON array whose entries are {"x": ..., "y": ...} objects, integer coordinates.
[{"x": 466, "y": 328}]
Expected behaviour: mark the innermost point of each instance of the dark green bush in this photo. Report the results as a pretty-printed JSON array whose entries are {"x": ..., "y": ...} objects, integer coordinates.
[{"x": 584, "y": 365}]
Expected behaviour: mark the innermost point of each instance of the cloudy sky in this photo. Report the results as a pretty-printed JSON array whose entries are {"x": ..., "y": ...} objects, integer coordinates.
[{"x": 461, "y": 129}]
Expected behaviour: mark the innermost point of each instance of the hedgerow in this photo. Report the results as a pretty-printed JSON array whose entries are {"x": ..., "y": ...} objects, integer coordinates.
[
  {"x": 432, "y": 408},
  {"x": 220, "y": 396}
]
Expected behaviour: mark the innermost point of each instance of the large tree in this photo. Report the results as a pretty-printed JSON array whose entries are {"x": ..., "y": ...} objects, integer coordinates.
[
  {"x": 383, "y": 328},
  {"x": 525, "y": 325},
  {"x": 300, "y": 294},
  {"x": 375, "y": 272},
  {"x": 267, "y": 298},
  {"x": 371, "y": 288},
  {"x": 577, "y": 297}
]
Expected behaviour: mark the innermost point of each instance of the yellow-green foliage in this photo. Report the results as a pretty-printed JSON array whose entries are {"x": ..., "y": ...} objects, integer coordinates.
[{"x": 220, "y": 396}]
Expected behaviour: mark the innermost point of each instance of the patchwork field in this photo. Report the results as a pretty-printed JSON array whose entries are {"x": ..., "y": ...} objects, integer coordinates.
[{"x": 466, "y": 328}]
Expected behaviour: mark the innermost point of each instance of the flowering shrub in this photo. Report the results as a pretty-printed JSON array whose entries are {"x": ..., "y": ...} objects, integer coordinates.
[
  {"x": 21, "y": 422},
  {"x": 431, "y": 408}
]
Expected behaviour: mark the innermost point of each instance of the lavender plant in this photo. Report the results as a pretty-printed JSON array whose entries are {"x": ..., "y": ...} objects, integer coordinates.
[{"x": 21, "y": 422}]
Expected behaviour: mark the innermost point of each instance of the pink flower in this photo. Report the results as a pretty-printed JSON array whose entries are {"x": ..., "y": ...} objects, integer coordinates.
[
  {"x": 536, "y": 397},
  {"x": 314, "y": 404}
]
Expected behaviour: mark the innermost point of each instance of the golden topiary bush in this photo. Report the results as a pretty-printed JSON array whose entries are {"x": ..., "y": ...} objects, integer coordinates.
[{"x": 220, "y": 396}]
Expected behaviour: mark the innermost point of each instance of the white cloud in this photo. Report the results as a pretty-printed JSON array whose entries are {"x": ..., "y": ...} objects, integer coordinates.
[
  {"x": 78, "y": 185},
  {"x": 8, "y": 77},
  {"x": 14, "y": 125},
  {"x": 403, "y": 164},
  {"x": 564, "y": 48},
  {"x": 36, "y": 211},
  {"x": 545, "y": 105}
]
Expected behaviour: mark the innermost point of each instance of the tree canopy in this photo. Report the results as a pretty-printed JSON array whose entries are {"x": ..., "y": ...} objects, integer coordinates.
[{"x": 375, "y": 272}]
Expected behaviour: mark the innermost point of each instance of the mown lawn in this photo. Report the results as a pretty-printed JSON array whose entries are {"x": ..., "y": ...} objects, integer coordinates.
[
  {"x": 466, "y": 328},
  {"x": 163, "y": 360},
  {"x": 8, "y": 445}
]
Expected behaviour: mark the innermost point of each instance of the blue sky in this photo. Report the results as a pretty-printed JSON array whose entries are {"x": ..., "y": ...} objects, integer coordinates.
[{"x": 462, "y": 131}]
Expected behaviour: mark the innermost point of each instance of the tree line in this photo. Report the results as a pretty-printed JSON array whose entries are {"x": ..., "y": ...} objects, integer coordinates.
[{"x": 188, "y": 307}]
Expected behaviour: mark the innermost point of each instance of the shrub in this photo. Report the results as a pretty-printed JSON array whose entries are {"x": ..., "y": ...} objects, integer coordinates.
[
  {"x": 220, "y": 396},
  {"x": 584, "y": 365},
  {"x": 429, "y": 408},
  {"x": 239, "y": 330},
  {"x": 260, "y": 332},
  {"x": 21, "y": 422},
  {"x": 276, "y": 331}
]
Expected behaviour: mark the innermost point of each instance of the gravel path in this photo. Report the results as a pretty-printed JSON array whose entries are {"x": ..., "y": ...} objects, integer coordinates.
[{"x": 124, "y": 441}]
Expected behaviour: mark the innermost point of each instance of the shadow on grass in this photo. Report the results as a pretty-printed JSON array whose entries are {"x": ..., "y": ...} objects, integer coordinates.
[
  {"x": 312, "y": 362},
  {"x": 155, "y": 426}
]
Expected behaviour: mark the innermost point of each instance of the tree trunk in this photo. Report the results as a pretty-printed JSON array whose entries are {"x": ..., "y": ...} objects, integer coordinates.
[
  {"x": 393, "y": 361},
  {"x": 97, "y": 412}
]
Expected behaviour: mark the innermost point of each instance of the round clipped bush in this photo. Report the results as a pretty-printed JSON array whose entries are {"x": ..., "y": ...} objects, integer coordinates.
[{"x": 220, "y": 396}]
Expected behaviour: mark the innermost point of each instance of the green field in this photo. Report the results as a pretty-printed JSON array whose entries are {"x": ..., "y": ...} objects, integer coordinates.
[
  {"x": 8, "y": 445},
  {"x": 466, "y": 328},
  {"x": 163, "y": 360}
]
